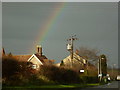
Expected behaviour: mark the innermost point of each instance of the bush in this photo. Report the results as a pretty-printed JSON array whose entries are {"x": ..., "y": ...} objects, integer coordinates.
[
  {"x": 14, "y": 72},
  {"x": 17, "y": 73},
  {"x": 16, "y": 80},
  {"x": 89, "y": 79},
  {"x": 10, "y": 67},
  {"x": 59, "y": 74}
]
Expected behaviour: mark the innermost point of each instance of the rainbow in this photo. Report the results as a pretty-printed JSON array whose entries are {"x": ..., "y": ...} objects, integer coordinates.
[{"x": 47, "y": 26}]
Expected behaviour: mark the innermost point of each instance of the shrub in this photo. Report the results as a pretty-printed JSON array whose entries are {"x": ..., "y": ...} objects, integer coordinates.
[
  {"x": 89, "y": 79},
  {"x": 10, "y": 67},
  {"x": 59, "y": 75},
  {"x": 14, "y": 72}
]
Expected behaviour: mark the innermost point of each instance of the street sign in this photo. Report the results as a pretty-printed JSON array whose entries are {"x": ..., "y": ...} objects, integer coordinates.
[
  {"x": 81, "y": 70},
  {"x": 99, "y": 75}
]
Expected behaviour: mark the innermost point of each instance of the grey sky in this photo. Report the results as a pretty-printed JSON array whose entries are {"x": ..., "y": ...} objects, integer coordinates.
[
  {"x": 60, "y": 1},
  {"x": 95, "y": 24}
]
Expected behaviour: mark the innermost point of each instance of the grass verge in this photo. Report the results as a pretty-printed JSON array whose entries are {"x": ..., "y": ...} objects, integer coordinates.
[{"x": 54, "y": 86}]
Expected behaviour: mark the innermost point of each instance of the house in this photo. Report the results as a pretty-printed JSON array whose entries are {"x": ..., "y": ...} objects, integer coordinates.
[
  {"x": 36, "y": 59},
  {"x": 57, "y": 64},
  {"x": 76, "y": 60},
  {"x": 78, "y": 63}
]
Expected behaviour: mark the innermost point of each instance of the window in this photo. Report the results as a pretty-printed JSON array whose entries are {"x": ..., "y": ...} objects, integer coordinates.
[{"x": 34, "y": 66}]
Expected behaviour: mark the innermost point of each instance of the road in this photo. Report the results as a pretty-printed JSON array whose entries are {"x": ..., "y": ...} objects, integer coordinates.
[{"x": 115, "y": 85}]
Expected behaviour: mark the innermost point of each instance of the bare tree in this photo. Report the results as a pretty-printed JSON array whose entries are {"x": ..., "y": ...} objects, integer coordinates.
[{"x": 88, "y": 53}]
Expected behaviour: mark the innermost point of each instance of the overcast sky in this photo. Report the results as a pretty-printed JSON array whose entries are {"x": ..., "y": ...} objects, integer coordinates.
[{"x": 94, "y": 24}]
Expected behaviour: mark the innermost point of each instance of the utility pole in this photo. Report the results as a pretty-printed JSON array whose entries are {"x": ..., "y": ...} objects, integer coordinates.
[
  {"x": 113, "y": 66},
  {"x": 99, "y": 69},
  {"x": 70, "y": 47},
  {"x": 102, "y": 67}
]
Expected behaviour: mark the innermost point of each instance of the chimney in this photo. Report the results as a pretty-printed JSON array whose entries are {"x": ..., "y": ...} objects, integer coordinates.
[{"x": 39, "y": 50}]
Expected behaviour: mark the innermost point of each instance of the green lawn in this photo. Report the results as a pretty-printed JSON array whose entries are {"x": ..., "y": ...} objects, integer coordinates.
[{"x": 55, "y": 86}]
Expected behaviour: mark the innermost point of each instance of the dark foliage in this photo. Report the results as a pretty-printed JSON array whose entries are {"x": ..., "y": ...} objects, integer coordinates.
[
  {"x": 59, "y": 75},
  {"x": 9, "y": 67},
  {"x": 15, "y": 72},
  {"x": 89, "y": 79}
]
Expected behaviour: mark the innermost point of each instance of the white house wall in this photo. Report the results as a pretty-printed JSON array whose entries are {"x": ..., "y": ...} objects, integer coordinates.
[
  {"x": 76, "y": 59},
  {"x": 35, "y": 60}
]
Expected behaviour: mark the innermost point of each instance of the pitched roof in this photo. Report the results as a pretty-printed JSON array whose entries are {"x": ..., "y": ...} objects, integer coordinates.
[
  {"x": 42, "y": 58},
  {"x": 76, "y": 57},
  {"x": 25, "y": 58},
  {"x": 22, "y": 57}
]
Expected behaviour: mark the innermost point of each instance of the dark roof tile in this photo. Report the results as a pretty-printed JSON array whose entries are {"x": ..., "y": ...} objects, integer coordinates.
[
  {"x": 42, "y": 58},
  {"x": 22, "y": 57}
]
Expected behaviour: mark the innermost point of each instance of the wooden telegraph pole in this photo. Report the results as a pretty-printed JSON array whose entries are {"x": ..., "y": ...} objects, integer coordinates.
[
  {"x": 100, "y": 71},
  {"x": 102, "y": 67},
  {"x": 70, "y": 47}
]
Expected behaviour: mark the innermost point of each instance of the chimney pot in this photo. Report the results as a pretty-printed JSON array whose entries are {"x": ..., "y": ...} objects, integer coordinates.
[{"x": 39, "y": 50}]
